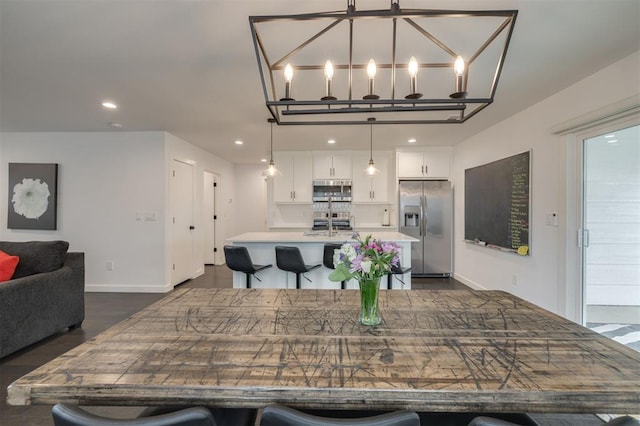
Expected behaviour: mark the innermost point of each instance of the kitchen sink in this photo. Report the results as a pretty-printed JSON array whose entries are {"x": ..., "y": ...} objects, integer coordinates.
[{"x": 339, "y": 234}]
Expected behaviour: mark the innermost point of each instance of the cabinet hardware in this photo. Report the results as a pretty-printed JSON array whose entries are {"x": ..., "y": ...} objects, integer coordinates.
[{"x": 422, "y": 169}]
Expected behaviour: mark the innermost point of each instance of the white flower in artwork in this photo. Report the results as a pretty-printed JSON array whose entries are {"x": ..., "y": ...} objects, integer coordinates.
[{"x": 31, "y": 198}]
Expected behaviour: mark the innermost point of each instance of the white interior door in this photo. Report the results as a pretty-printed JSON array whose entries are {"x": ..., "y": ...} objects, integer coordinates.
[
  {"x": 209, "y": 215},
  {"x": 182, "y": 226},
  {"x": 610, "y": 234}
]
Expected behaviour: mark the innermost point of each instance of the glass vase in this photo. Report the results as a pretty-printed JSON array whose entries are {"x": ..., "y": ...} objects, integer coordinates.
[{"x": 369, "y": 311}]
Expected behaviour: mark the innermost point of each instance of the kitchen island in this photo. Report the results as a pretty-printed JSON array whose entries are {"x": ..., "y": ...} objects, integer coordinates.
[{"x": 261, "y": 246}]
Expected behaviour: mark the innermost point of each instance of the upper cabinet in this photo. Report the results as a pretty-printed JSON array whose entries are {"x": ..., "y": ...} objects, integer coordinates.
[
  {"x": 371, "y": 189},
  {"x": 332, "y": 165},
  {"x": 295, "y": 183},
  {"x": 427, "y": 164}
]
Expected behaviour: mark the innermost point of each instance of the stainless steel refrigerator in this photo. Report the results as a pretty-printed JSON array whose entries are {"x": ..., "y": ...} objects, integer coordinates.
[{"x": 426, "y": 213}]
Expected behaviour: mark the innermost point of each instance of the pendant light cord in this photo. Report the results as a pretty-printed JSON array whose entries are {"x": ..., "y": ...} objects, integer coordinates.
[
  {"x": 271, "y": 150},
  {"x": 371, "y": 142},
  {"x": 371, "y": 120}
]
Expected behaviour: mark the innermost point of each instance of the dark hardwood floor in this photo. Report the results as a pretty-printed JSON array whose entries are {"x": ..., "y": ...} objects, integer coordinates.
[{"x": 106, "y": 309}]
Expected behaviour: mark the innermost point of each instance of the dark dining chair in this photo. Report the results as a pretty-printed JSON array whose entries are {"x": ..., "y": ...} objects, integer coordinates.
[
  {"x": 280, "y": 415},
  {"x": 238, "y": 259},
  {"x": 69, "y": 415},
  {"x": 290, "y": 259},
  {"x": 623, "y": 421},
  {"x": 490, "y": 421},
  {"x": 396, "y": 270},
  {"x": 327, "y": 258}
]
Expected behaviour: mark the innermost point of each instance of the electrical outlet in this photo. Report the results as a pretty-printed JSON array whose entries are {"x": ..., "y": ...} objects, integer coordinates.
[
  {"x": 109, "y": 265},
  {"x": 514, "y": 279}
]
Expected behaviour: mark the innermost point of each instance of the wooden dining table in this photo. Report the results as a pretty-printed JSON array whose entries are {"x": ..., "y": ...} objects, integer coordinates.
[{"x": 437, "y": 351}]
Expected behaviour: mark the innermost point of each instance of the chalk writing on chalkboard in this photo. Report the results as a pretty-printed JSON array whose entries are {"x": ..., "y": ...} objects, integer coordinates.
[{"x": 497, "y": 204}]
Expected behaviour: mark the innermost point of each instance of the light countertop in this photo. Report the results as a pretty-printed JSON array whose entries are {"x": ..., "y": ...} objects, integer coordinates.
[{"x": 314, "y": 237}]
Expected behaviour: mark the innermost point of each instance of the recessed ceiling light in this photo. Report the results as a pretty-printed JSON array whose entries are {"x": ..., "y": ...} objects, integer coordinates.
[
  {"x": 239, "y": 142},
  {"x": 610, "y": 136},
  {"x": 263, "y": 160},
  {"x": 109, "y": 104},
  {"x": 612, "y": 141},
  {"x": 116, "y": 125},
  {"x": 412, "y": 140},
  {"x": 331, "y": 141}
]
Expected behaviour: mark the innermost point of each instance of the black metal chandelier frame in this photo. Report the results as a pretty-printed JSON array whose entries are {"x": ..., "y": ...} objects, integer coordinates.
[{"x": 283, "y": 108}]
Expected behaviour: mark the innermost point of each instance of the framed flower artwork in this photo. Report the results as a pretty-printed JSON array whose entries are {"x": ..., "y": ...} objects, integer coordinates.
[{"x": 33, "y": 194}]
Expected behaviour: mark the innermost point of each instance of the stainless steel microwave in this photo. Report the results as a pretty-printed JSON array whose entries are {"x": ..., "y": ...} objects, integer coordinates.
[{"x": 336, "y": 190}]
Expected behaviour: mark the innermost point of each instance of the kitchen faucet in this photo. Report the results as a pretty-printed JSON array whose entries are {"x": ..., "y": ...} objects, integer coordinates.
[{"x": 330, "y": 217}]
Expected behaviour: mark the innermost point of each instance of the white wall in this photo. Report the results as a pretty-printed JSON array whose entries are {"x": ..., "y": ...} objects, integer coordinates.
[
  {"x": 251, "y": 198},
  {"x": 540, "y": 275},
  {"x": 104, "y": 180}
]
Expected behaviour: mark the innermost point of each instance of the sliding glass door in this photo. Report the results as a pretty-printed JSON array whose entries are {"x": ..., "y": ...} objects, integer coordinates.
[{"x": 610, "y": 234}]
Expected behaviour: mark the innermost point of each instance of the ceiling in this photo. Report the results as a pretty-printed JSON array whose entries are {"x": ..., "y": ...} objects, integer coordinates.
[{"x": 188, "y": 67}]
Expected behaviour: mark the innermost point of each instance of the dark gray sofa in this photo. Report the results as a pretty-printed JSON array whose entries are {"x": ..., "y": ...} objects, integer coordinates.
[{"x": 35, "y": 305}]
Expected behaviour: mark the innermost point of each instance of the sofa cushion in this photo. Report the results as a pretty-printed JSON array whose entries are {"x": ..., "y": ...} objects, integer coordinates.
[
  {"x": 8, "y": 265},
  {"x": 36, "y": 256}
]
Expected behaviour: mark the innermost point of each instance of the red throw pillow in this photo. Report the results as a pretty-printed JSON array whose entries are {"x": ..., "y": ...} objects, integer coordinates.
[{"x": 8, "y": 265}]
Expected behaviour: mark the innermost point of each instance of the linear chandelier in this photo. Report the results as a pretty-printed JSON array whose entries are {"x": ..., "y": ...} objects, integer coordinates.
[{"x": 399, "y": 66}]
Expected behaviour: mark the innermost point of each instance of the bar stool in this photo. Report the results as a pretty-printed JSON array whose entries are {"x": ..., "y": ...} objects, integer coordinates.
[
  {"x": 238, "y": 259},
  {"x": 290, "y": 259},
  {"x": 327, "y": 258},
  {"x": 395, "y": 270}
]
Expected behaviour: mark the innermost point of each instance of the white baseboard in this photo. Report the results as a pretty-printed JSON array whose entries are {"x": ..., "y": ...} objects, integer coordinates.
[
  {"x": 126, "y": 288},
  {"x": 474, "y": 285}
]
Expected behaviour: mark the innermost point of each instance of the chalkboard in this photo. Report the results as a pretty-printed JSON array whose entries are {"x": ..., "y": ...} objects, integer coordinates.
[{"x": 496, "y": 204}]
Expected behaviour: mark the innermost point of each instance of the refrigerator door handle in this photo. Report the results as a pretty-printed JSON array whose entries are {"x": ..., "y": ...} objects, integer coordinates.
[
  {"x": 424, "y": 215},
  {"x": 421, "y": 223}
]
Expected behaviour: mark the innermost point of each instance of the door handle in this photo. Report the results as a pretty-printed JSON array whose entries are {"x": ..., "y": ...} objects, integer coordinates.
[
  {"x": 583, "y": 238},
  {"x": 191, "y": 227}
]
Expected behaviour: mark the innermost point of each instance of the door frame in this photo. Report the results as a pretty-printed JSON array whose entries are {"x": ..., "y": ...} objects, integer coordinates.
[
  {"x": 191, "y": 265},
  {"x": 574, "y": 295},
  {"x": 208, "y": 178}
]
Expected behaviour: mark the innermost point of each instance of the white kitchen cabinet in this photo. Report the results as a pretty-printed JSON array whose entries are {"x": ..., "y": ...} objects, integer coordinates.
[
  {"x": 427, "y": 164},
  {"x": 295, "y": 183},
  {"x": 370, "y": 189},
  {"x": 332, "y": 165}
]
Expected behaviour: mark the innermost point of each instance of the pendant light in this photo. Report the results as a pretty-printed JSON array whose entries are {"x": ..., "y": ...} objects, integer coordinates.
[
  {"x": 271, "y": 169},
  {"x": 371, "y": 168}
]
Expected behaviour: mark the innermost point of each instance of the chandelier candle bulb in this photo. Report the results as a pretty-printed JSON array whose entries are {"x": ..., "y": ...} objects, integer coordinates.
[
  {"x": 371, "y": 72},
  {"x": 288, "y": 76},
  {"x": 413, "y": 79},
  {"x": 328, "y": 73},
  {"x": 459, "y": 69},
  {"x": 413, "y": 73}
]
